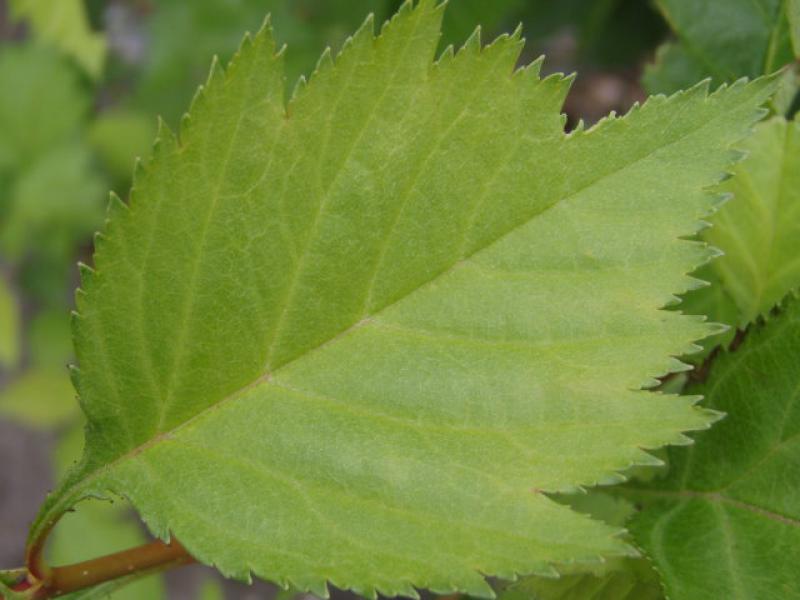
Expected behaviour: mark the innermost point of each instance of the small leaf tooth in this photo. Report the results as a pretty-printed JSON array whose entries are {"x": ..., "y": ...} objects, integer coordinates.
[
  {"x": 538, "y": 569},
  {"x": 184, "y": 124},
  {"x": 115, "y": 206},
  {"x": 534, "y": 68},
  {"x": 197, "y": 99},
  {"x": 476, "y": 586},
  {"x": 74, "y": 376},
  {"x": 138, "y": 169},
  {"x": 216, "y": 74},
  {"x": 473, "y": 43},
  {"x": 611, "y": 479},
  {"x": 166, "y": 141},
  {"x": 646, "y": 459},
  {"x": 86, "y": 272},
  {"x": 713, "y": 416},
  {"x": 324, "y": 64},
  {"x": 682, "y": 440},
  {"x": 402, "y": 12},
  {"x": 447, "y": 55},
  {"x": 721, "y": 198},
  {"x": 318, "y": 587},
  {"x": 718, "y": 328},
  {"x": 650, "y": 383},
  {"x": 359, "y": 44},
  {"x": 99, "y": 240},
  {"x": 299, "y": 87},
  {"x": 509, "y": 47},
  {"x": 672, "y": 300},
  {"x": 266, "y": 28},
  {"x": 678, "y": 366}
]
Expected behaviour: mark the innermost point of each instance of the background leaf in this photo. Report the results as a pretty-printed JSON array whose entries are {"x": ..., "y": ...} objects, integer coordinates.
[
  {"x": 758, "y": 231},
  {"x": 722, "y": 40},
  {"x": 725, "y": 521}
]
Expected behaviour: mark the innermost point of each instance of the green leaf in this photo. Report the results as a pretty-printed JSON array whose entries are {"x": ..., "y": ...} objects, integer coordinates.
[
  {"x": 356, "y": 337},
  {"x": 9, "y": 326},
  {"x": 725, "y": 522},
  {"x": 65, "y": 25},
  {"x": 723, "y": 40},
  {"x": 758, "y": 230}
]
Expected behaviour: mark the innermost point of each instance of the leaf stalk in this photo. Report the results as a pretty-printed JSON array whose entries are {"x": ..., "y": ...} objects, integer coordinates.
[{"x": 46, "y": 582}]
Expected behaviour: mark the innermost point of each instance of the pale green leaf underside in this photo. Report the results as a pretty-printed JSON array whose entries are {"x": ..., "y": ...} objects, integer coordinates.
[
  {"x": 726, "y": 522},
  {"x": 354, "y": 338}
]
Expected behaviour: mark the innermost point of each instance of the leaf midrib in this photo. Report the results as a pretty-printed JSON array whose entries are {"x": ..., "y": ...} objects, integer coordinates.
[{"x": 76, "y": 485}]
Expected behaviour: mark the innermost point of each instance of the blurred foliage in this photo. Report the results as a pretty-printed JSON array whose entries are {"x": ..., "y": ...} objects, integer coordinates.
[
  {"x": 65, "y": 25},
  {"x": 177, "y": 58},
  {"x": 9, "y": 326},
  {"x": 117, "y": 135},
  {"x": 50, "y": 193}
]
